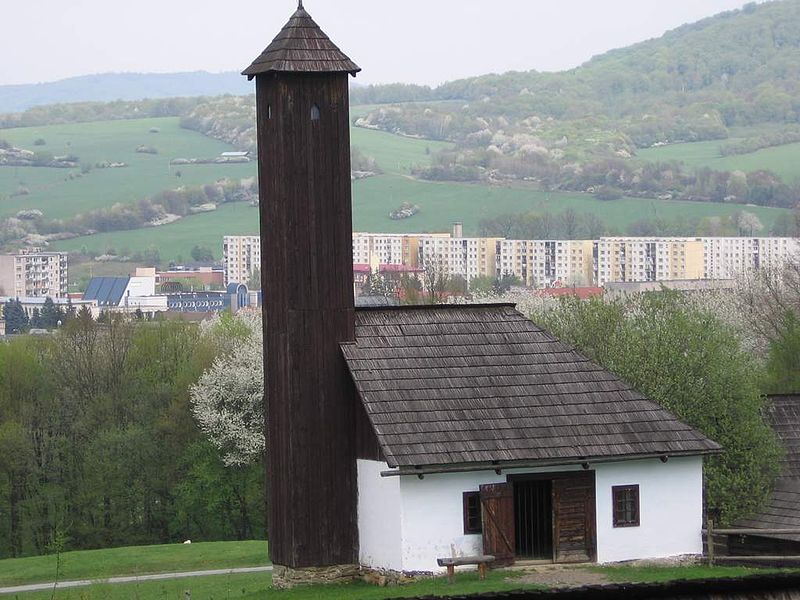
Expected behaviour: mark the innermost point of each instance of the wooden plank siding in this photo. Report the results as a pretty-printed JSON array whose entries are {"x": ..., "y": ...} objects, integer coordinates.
[
  {"x": 306, "y": 245},
  {"x": 574, "y": 528},
  {"x": 497, "y": 517}
]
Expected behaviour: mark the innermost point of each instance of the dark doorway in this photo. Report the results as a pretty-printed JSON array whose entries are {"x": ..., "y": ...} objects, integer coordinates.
[{"x": 533, "y": 510}]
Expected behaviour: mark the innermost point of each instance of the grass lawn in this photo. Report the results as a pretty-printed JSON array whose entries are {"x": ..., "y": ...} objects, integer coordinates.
[
  {"x": 257, "y": 585},
  {"x": 136, "y": 560},
  {"x": 783, "y": 160},
  {"x": 623, "y": 574},
  {"x": 115, "y": 141}
]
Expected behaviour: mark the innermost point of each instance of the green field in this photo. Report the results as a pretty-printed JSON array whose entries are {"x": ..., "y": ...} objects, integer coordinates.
[
  {"x": 373, "y": 198},
  {"x": 136, "y": 560},
  {"x": 176, "y": 240},
  {"x": 52, "y": 192},
  {"x": 783, "y": 160}
]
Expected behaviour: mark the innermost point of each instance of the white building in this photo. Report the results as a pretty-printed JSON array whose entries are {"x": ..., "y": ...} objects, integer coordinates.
[
  {"x": 726, "y": 258},
  {"x": 492, "y": 437},
  {"x": 33, "y": 273},
  {"x": 241, "y": 256},
  {"x": 546, "y": 263}
]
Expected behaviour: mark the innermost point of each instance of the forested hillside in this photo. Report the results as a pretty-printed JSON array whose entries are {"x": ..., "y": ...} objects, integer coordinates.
[
  {"x": 737, "y": 68},
  {"x": 734, "y": 77}
]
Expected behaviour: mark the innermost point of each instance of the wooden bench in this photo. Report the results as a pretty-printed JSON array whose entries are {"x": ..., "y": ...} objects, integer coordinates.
[{"x": 460, "y": 561}]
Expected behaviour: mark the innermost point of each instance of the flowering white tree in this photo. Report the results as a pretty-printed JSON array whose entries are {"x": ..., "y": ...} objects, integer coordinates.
[{"x": 228, "y": 399}]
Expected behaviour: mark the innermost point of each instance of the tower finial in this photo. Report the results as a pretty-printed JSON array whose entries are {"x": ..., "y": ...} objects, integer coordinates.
[{"x": 299, "y": 4}]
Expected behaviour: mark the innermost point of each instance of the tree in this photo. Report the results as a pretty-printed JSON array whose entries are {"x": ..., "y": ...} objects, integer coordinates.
[
  {"x": 51, "y": 315},
  {"x": 15, "y": 317},
  {"x": 378, "y": 285},
  {"x": 228, "y": 399},
  {"x": 748, "y": 223},
  {"x": 783, "y": 360},
  {"x": 768, "y": 301},
  {"x": 692, "y": 364},
  {"x": 254, "y": 283},
  {"x": 202, "y": 254}
]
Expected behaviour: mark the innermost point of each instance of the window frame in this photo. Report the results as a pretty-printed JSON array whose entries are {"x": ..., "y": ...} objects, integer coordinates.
[
  {"x": 470, "y": 529},
  {"x": 618, "y": 517}
]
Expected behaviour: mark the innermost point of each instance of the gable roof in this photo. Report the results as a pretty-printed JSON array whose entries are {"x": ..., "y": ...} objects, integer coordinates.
[
  {"x": 107, "y": 291},
  {"x": 782, "y": 508},
  {"x": 301, "y": 47},
  {"x": 481, "y": 384}
]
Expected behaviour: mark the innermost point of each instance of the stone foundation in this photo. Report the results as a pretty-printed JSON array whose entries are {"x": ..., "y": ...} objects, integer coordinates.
[
  {"x": 288, "y": 577},
  {"x": 384, "y": 578}
]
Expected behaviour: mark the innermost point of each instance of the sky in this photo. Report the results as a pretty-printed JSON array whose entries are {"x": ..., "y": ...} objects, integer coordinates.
[{"x": 412, "y": 41}]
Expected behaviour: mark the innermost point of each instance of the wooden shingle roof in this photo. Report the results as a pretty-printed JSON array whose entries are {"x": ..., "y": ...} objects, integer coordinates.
[
  {"x": 782, "y": 508},
  {"x": 481, "y": 384},
  {"x": 301, "y": 47}
]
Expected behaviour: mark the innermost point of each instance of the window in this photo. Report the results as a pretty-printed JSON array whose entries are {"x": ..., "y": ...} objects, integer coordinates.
[
  {"x": 625, "y": 500},
  {"x": 472, "y": 512},
  {"x": 315, "y": 113}
]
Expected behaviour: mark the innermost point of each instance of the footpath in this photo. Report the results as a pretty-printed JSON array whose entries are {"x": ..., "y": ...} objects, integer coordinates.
[{"x": 38, "y": 587}]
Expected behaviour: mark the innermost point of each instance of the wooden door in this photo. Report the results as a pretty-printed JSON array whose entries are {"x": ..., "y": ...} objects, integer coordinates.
[
  {"x": 497, "y": 513},
  {"x": 574, "y": 531}
]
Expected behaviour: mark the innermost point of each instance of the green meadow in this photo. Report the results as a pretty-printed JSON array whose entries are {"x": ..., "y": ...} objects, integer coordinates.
[
  {"x": 373, "y": 198},
  {"x": 133, "y": 560},
  {"x": 57, "y": 196},
  {"x": 783, "y": 160},
  {"x": 441, "y": 203}
]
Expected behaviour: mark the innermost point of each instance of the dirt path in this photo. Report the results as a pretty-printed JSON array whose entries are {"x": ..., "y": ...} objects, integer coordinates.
[
  {"x": 37, "y": 587},
  {"x": 562, "y": 577}
]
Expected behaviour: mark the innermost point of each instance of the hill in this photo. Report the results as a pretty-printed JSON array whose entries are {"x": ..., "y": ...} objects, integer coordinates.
[
  {"x": 108, "y": 87},
  {"x": 580, "y": 129}
]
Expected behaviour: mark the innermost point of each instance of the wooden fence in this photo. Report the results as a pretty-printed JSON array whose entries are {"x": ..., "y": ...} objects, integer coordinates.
[{"x": 712, "y": 555}]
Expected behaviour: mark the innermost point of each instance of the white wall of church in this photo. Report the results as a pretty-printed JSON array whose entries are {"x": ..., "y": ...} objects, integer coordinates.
[{"x": 670, "y": 505}]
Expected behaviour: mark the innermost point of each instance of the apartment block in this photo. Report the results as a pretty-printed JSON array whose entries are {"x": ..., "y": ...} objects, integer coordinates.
[
  {"x": 632, "y": 259},
  {"x": 31, "y": 273},
  {"x": 465, "y": 257},
  {"x": 241, "y": 256},
  {"x": 725, "y": 258},
  {"x": 546, "y": 263}
]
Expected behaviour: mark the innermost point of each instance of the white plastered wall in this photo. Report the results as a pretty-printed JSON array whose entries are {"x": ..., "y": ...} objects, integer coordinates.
[
  {"x": 406, "y": 523},
  {"x": 379, "y": 517},
  {"x": 670, "y": 505}
]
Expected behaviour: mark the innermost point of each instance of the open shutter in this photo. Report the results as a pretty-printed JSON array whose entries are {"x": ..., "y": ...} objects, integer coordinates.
[
  {"x": 574, "y": 538},
  {"x": 497, "y": 513}
]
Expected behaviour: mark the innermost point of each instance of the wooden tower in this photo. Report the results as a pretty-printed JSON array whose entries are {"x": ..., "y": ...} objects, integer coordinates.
[{"x": 306, "y": 253}]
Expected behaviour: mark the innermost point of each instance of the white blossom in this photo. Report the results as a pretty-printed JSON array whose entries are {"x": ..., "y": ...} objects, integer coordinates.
[{"x": 228, "y": 399}]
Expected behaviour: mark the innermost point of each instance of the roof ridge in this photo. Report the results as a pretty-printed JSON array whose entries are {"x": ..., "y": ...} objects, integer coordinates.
[{"x": 437, "y": 306}]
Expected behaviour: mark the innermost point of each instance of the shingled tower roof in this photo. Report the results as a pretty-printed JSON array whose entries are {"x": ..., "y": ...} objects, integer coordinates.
[{"x": 301, "y": 47}]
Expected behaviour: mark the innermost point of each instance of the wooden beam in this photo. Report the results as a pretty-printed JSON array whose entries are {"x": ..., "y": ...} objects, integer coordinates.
[{"x": 751, "y": 531}]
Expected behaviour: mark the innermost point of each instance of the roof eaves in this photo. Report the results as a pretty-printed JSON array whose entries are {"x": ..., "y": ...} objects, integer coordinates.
[{"x": 499, "y": 465}]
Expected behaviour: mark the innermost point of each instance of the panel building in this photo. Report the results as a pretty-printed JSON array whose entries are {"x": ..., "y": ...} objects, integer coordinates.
[
  {"x": 627, "y": 259},
  {"x": 31, "y": 273},
  {"x": 241, "y": 256}
]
